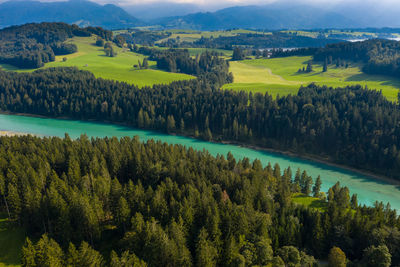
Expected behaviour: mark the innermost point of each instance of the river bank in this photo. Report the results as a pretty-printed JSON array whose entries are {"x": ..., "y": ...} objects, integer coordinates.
[
  {"x": 11, "y": 133},
  {"x": 308, "y": 157}
]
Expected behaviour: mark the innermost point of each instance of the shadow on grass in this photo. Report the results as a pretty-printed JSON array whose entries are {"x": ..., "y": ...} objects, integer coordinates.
[
  {"x": 12, "y": 239},
  {"x": 384, "y": 80}
]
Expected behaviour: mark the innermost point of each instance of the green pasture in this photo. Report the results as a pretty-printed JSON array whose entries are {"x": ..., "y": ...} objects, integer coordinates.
[
  {"x": 281, "y": 76},
  {"x": 92, "y": 58},
  {"x": 12, "y": 239},
  {"x": 312, "y": 202},
  {"x": 193, "y": 35}
]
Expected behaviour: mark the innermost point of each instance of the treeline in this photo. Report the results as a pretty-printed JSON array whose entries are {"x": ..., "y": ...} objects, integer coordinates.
[
  {"x": 257, "y": 41},
  {"x": 165, "y": 205},
  {"x": 146, "y": 38},
  {"x": 205, "y": 65},
  {"x": 353, "y": 126},
  {"x": 293, "y": 52},
  {"x": 378, "y": 56},
  {"x": 33, "y": 45}
]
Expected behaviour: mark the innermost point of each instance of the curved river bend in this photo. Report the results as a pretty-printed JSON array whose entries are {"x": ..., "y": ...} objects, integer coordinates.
[{"x": 367, "y": 188}]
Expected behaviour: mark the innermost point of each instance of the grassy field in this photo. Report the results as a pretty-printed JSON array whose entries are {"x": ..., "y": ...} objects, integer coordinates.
[
  {"x": 280, "y": 76},
  {"x": 192, "y": 35},
  {"x": 92, "y": 58},
  {"x": 11, "y": 241},
  {"x": 311, "y": 202}
]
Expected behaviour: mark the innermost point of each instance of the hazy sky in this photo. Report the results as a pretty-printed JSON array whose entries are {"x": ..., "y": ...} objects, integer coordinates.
[
  {"x": 205, "y": 3},
  {"x": 243, "y": 2}
]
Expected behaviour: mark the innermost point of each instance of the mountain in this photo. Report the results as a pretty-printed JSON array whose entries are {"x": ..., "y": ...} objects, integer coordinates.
[
  {"x": 371, "y": 13},
  {"x": 274, "y": 16},
  {"x": 158, "y": 10},
  {"x": 80, "y": 12}
]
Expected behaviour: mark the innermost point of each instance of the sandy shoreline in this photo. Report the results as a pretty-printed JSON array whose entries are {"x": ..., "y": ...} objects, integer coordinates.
[
  {"x": 11, "y": 133},
  {"x": 308, "y": 157}
]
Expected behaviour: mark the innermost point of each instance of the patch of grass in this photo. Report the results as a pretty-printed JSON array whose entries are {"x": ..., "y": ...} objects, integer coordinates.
[
  {"x": 311, "y": 202},
  {"x": 120, "y": 68},
  {"x": 198, "y": 51},
  {"x": 272, "y": 89},
  {"x": 12, "y": 239},
  {"x": 266, "y": 74}
]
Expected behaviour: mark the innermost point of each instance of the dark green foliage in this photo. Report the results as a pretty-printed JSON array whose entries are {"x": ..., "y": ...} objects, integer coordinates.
[
  {"x": 119, "y": 40},
  {"x": 237, "y": 54},
  {"x": 253, "y": 40},
  {"x": 100, "y": 42},
  {"x": 325, "y": 67},
  {"x": 146, "y": 38},
  {"x": 109, "y": 51},
  {"x": 164, "y": 204},
  {"x": 64, "y": 48},
  {"x": 377, "y": 256},
  {"x": 309, "y": 67}
]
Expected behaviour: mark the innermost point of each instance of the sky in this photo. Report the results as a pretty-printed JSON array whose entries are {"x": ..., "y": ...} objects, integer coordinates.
[
  {"x": 224, "y": 3},
  {"x": 241, "y": 2}
]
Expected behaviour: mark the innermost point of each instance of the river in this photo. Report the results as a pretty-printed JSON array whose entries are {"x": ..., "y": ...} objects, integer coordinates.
[{"x": 367, "y": 188}]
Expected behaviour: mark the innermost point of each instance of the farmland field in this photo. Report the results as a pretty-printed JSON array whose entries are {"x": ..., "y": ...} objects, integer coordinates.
[
  {"x": 92, "y": 58},
  {"x": 280, "y": 76}
]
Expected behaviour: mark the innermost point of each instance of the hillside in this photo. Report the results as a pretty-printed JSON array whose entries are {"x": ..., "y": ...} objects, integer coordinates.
[
  {"x": 90, "y": 57},
  {"x": 261, "y": 17},
  {"x": 281, "y": 76},
  {"x": 80, "y": 12}
]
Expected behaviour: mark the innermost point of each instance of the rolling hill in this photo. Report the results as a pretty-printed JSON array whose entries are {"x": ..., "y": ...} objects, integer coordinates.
[{"x": 80, "y": 12}]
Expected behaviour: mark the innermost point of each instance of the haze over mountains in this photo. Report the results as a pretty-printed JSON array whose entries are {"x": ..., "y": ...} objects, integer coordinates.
[
  {"x": 278, "y": 15},
  {"x": 80, "y": 12}
]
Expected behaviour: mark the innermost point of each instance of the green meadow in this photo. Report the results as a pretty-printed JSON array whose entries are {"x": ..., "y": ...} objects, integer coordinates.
[
  {"x": 92, "y": 58},
  {"x": 192, "y": 35},
  {"x": 312, "y": 202},
  {"x": 281, "y": 76},
  {"x": 12, "y": 239}
]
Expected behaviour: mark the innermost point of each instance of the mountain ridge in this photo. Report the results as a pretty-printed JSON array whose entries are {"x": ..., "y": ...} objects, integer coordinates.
[
  {"x": 80, "y": 12},
  {"x": 271, "y": 17}
]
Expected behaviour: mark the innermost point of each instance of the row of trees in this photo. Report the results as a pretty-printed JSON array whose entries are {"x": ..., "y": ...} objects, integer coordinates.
[
  {"x": 32, "y": 45},
  {"x": 180, "y": 60},
  {"x": 145, "y": 38},
  {"x": 159, "y": 204},
  {"x": 254, "y": 40}
]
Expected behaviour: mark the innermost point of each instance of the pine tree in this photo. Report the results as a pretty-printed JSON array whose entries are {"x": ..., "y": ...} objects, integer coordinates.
[
  {"x": 145, "y": 64},
  {"x": 28, "y": 253},
  {"x": 325, "y": 68},
  {"x": 317, "y": 187},
  {"x": 309, "y": 67},
  {"x": 170, "y": 123},
  {"x": 337, "y": 258}
]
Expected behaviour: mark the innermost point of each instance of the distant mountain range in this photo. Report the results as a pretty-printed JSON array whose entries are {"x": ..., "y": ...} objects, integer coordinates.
[
  {"x": 261, "y": 17},
  {"x": 156, "y": 10},
  {"x": 285, "y": 15},
  {"x": 80, "y": 12}
]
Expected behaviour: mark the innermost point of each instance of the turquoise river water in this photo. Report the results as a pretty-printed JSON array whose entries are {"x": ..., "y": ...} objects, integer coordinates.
[{"x": 367, "y": 188}]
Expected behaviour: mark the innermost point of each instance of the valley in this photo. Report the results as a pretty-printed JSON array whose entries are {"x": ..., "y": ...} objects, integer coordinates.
[{"x": 201, "y": 145}]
